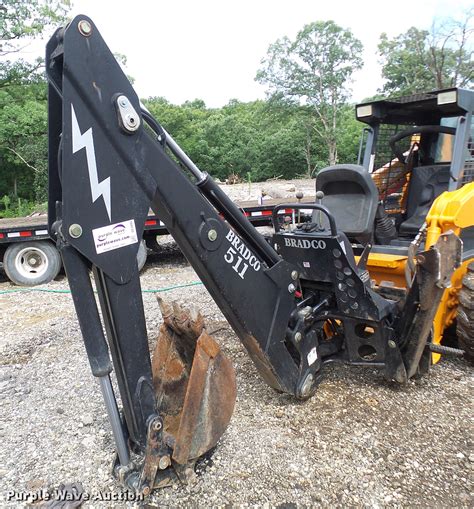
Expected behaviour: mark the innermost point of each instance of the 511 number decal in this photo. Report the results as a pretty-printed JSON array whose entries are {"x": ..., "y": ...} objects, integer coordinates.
[
  {"x": 239, "y": 256},
  {"x": 229, "y": 258}
]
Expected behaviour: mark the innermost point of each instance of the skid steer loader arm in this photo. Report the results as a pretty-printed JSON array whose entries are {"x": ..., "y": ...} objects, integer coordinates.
[{"x": 109, "y": 162}]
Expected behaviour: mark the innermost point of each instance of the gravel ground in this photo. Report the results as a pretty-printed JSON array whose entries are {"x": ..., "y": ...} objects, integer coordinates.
[{"x": 359, "y": 442}]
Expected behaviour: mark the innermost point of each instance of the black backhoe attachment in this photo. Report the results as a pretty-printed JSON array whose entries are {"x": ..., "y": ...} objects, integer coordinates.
[{"x": 296, "y": 304}]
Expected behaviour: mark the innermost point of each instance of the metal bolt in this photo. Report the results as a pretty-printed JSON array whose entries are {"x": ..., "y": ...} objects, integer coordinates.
[
  {"x": 146, "y": 490},
  {"x": 298, "y": 336},
  {"x": 420, "y": 259},
  {"x": 157, "y": 425},
  {"x": 129, "y": 118},
  {"x": 75, "y": 230},
  {"x": 131, "y": 122},
  {"x": 392, "y": 344},
  {"x": 164, "y": 462},
  {"x": 291, "y": 288},
  {"x": 212, "y": 235},
  {"x": 294, "y": 275},
  {"x": 306, "y": 387},
  {"x": 84, "y": 27}
]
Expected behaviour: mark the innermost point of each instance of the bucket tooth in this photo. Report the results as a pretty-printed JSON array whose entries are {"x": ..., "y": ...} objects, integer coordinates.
[{"x": 194, "y": 384}]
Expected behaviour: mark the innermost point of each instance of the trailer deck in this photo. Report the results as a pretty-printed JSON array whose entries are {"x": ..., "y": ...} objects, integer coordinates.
[{"x": 19, "y": 229}]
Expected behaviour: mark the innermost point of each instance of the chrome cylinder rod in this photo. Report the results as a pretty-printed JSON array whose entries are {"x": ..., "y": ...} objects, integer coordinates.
[{"x": 114, "y": 418}]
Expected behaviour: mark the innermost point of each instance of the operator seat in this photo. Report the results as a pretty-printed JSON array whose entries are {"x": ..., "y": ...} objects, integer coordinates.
[
  {"x": 352, "y": 198},
  {"x": 426, "y": 184}
]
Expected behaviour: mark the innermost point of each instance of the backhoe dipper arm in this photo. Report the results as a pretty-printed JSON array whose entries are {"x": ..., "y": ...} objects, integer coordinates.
[{"x": 106, "y": 170}]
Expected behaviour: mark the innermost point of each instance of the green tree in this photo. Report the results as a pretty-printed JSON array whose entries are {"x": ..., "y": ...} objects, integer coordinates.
[
  {"x": 23, "y": 102},
  {"x": 23, "y": 141},
  {"x": 421, "y": 60},
  {"x": 22, "y": 19},
  {"x": 246, "y": 139},
  {"x": 20, "y": 22},
  {"x": 314, "y": 70},
  {"x": 349, "y": 134}
]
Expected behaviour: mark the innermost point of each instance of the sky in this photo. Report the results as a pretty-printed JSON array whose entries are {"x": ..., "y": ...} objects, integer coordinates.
[{"x": 211, "y": 50}]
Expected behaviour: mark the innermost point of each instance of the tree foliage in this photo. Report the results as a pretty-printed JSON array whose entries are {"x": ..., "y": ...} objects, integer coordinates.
[
  {"x": 256, "y": 140},
  {"x": 23, "y": 103},
  {"x": 23, "y": 141},
  {"x": 20, "y": 22},
  {"x": 23, "y": 19},
  {"x": 314, "y": 70},
  {"x": 421, "y": 60},
  {"x": 244, "y": 139}
]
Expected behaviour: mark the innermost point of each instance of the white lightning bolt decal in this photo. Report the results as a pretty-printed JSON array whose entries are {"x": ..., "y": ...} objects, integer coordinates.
[{"x": 85, "y": 140}]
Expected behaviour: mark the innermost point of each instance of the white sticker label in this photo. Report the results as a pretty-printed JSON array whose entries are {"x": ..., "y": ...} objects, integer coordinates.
[
  {"x": 307, "y": 265},
  {"x": 115, "y": 236},
  {"x": 312, "y": 356}
]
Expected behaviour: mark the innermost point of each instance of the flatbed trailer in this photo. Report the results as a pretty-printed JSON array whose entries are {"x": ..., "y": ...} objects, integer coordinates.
[{"x": 30, "y": 258}]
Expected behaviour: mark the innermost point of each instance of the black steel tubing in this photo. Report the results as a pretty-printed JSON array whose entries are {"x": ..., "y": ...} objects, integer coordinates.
[{"x": 87, "y": 313}]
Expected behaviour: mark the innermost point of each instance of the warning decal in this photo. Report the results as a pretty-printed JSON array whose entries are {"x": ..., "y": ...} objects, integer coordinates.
[{"x": 312, "y": 356}]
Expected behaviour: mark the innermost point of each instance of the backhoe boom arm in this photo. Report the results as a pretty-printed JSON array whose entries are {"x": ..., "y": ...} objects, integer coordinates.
[
  {"x": 295, "y": 305},
  {"x": 106, "y": 170}
]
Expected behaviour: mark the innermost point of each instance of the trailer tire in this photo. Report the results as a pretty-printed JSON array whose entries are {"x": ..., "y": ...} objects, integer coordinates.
[
  {"x": 31, "y": 263},
  {"x": 152, "y": 243},
  {"x": 142, "y": 255},
  {"x": 465, "y": 315}
]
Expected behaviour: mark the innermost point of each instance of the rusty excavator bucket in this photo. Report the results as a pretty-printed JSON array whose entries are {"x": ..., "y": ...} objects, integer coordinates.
[{"x": 194, "y": 385}]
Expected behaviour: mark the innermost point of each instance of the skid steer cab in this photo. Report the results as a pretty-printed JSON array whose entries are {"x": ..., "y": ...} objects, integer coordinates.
[
  {"x": 296, "y": 304},
  {"x": 414, "y": 182}
]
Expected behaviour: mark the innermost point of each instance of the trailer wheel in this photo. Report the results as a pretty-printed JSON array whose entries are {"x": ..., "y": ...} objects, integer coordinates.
[
  {"x": 152, "y": 243},
  {"x": 142, "y": 255},
  {"x": 465, "y": 315},
  {"x": 31, "y": 263}
]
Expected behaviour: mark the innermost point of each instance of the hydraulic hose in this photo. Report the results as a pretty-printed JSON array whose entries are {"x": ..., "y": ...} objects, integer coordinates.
[{"x": 151, "y": 290}]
